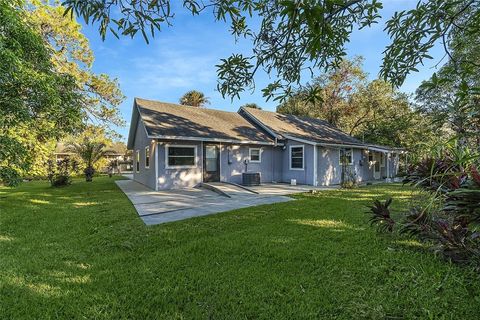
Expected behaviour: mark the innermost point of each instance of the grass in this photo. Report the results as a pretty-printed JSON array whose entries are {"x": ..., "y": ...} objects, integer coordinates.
[{"x": 82, "y": 252}]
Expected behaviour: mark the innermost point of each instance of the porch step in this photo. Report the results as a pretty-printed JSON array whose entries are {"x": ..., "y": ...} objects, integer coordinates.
[{"x": 232, "y": 189}]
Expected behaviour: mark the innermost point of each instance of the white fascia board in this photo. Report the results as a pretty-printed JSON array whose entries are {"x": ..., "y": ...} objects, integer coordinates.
[
  {"x": 258, "y": 122},
  {"x": 211, "y": 140}
]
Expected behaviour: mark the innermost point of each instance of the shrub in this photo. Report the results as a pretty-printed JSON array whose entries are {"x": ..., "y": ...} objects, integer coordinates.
[
  {"x": 59, "y": 172},
  {"x": 448, "y": 215},
  {"x": 381, "y": 215}
]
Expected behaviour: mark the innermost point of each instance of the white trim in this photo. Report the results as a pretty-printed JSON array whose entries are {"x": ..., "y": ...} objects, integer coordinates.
[
  {"x": 340, "y": 155},
  {"x": 387, "y": 165},
  {"x": 233, "y": 141},
  {"x": 220, "y": 161},
  {"x": 382, "y": 160},
  {"x": 315, "y": 164},
  {"x": 202, "y": 165},
  {"x": 156, "y": 165},
  {"x": 137, "y": 161},
  {"x": 290, "y": 157},
  {"x": 301, "y": 140},
  {"x": 181, "y": 146},
  {"x": 259, "y": 155},
  {"x": 145, "y": 157}
]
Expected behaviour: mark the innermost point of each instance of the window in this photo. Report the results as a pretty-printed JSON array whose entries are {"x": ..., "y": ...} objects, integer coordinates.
[
  {"x": 346, "y": 156},
  {"x": 296, "y": 157},
  {"x": 147, "y": 157},
  {"x": 255, "y": 154},
  {"x": 180, "y": 156},
  {"x": 137, "y": 161}
]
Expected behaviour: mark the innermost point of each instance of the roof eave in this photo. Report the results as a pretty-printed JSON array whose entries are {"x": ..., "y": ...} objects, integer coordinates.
[{"x": 234, "y": 141}]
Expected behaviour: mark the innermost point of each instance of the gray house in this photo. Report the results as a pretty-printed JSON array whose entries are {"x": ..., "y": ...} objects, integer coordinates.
[{"x": 178, "y": 146}]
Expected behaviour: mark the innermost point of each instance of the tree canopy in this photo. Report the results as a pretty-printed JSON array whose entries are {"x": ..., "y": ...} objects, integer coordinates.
[
  {"x": 293, "y": 36},
  {"x": 194, "y": 98},
  {"x": 37, "y": 103},
  {"x": 372, "y": 111},
  {"x": 100, "y": 95}
]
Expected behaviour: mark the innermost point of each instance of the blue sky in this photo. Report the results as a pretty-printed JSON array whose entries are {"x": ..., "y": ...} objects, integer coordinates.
[{"x": 183, "y": 57}]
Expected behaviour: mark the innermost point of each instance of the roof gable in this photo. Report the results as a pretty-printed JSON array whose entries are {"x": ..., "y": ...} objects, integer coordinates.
[
  {"x": 304, "y": 128},
  {"x": 167, "y": 120}
]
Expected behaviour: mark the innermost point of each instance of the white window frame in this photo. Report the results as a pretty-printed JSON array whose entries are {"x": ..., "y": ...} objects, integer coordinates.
[
  {"x": 340, "y": 156},
  {"x": 147, "y": 154},
  {"x": 137, "y": 161},
  {"x": 167, "y": 146},
  {"x": 259, "y": 155},
  {"x": 303, "y": 156}
]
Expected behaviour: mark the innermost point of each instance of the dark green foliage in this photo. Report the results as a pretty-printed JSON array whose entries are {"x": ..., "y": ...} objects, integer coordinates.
[
  {"x": 436, "y": 174},
  {"x": 59, "y": 173},
  {"x": 37, "y": 104},
  {"x": 294, "y": 36},
  {"x": 448, "y": 218},
  {"x": 380, "y": 215}
]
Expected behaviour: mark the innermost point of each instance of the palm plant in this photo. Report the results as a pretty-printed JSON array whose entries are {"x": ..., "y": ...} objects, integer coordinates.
[
  {"x": 90, "y": 152},
  {"x": 195, "y": 99}
]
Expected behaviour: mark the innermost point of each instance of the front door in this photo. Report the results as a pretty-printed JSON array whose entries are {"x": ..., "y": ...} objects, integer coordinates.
[
  {"x": 211, "y": 163},
  {"x": 376, "y": 166}
]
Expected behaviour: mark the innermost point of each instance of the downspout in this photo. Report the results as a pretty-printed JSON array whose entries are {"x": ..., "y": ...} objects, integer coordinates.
[
  {"x": 315, "y": 164},
  {"x": 156, "y": 165}
]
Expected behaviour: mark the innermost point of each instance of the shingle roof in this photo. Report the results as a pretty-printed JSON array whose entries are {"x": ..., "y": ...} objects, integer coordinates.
[
  {"x": 311, "y": 129},
  {"x": 172, "y": 120}
]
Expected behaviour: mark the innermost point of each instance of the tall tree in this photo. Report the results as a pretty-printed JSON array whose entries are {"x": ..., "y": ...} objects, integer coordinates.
[
  {"x": 72, "y": 55},
  {"x": 452, "y": 95},
  {"x": 329, "y": 96},
  {"x": 194, "y": 98},
  {"x": 37, "y": 103},
  {"x": 372, "y": 111},
  {"x": 292, "y": 35}
]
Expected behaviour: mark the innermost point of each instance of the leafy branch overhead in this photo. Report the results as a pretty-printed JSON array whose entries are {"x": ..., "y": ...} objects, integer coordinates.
[{"x": 294, "y": 37}]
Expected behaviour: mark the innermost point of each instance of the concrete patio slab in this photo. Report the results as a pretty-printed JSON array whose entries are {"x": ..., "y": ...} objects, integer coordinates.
[{"x": 155, "y": 207}]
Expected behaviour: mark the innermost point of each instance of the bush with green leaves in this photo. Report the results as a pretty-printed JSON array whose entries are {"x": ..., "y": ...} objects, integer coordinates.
[
  {"x": 59, "y": 172},
  {"x": 448, "y": 214}
]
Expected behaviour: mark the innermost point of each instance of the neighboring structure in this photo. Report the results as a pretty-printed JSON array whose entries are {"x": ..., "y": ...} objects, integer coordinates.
[
  {"x": 117, "y": 152},
  {"x": 180, "y": 146}
]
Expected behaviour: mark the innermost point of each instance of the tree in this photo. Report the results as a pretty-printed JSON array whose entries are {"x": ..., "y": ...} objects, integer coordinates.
[
  {"x": 90, "y": 147},
  {"x": 38, "y": 103},
  {"x": 194, "y": 98},
  {"x": 72, "y": 55},
  {"x": 331, "y": 94},
  {"x": 372, "y": 111},
  {"x": 252, "y": 105},
  {"x": 452, "y": 95},
  {"x": 294, "y": 36}
]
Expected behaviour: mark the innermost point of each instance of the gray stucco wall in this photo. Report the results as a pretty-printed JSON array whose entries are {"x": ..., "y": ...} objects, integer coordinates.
[
  {"x": 232, "y": 163},
  {"x": 329, "y": 168},
  {"x": 145, "y": 176},
  {"x": 179, "y": 177},
  {"x": 304, "y": 176}
]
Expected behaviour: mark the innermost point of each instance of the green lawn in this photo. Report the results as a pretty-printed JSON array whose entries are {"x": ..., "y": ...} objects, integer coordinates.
[{"x": 82, "y": 252}]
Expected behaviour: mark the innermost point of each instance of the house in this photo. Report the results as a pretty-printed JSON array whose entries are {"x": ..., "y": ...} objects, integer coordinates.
[{"x": 178, "y": 146}]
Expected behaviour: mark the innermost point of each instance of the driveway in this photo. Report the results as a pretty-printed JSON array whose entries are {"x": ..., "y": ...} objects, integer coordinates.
[{"x": 155, "y": 207}]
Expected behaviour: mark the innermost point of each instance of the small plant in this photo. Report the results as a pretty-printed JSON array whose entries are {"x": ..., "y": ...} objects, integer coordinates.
[
  {"x": 380, "y": 215},
  {"x": 349, "y": 180},
  {"x": 59, "y": 172}
]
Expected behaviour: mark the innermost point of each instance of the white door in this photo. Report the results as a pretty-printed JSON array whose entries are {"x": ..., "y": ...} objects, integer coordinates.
[{"x": 376, "y": 166}]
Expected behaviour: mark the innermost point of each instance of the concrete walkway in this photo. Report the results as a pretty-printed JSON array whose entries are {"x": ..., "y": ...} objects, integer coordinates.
[{"x": 155, "y": 207}]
